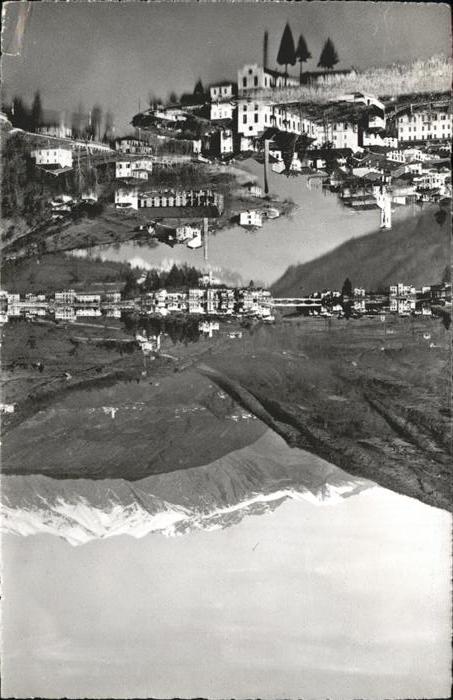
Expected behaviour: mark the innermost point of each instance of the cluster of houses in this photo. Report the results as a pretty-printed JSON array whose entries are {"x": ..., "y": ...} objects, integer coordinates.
[
  {"x": 400, "y": 298},
  {"x": 210, "y": 301},
  {"x": 215, "y": 300},
  {"x": 409, "y": 173},
  {"x": 70, "y": 305},
  {"x": 236, "y": 114}
]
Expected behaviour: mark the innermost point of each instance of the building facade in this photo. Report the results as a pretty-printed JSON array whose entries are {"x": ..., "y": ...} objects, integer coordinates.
[
  {"x": 53, "y": 156},
  {"x": 423, "y": 124},
  {"x": 254, "y": 77}
]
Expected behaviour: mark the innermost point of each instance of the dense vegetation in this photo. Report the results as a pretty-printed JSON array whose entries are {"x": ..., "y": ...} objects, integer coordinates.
[{"x": 178, "y": 277}]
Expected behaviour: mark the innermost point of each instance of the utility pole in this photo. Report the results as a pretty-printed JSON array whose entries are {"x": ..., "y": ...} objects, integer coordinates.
[
  {"x": 205, "y": 237},
  {"x": 266, "y": 166}
]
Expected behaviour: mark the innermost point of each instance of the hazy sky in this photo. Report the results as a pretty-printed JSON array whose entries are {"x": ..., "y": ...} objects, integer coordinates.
[
  {"x": 343, "y": 601},
  {"x": 118, "y": 53}
]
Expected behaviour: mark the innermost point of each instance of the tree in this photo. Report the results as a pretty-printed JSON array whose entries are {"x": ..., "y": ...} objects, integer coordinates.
[
  {"x": 198, "y": 90},
  {"x": 20, "y": 114},
  {"x": 96, "y": 120},
  {"x": 346, "y": 290},
  {"x": 36, "y": 116},
  {"x": 287, "y": 53},
  {"x": 302, "y": 54},
  {"x": 108, "y": 127},
  {"x": 329, "y": 57},
  {"x": 173, "y": 98}
]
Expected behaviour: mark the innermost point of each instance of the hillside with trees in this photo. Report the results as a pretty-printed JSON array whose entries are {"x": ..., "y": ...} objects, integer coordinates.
[{"x": 414, "y": 251}]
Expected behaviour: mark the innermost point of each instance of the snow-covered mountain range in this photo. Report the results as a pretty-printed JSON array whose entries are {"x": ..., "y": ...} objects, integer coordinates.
[{"x": 250, "y": 481}]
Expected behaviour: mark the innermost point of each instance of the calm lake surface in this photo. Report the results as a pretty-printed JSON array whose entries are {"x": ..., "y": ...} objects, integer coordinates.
[
  {"x": 338, "y": 601},
  {"x": 319, "y": 224}
]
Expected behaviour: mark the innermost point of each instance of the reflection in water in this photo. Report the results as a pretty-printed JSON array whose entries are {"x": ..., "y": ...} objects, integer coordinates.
[
  {"x": 306, "y": 601},
  {"x": 318, "y": 224}
]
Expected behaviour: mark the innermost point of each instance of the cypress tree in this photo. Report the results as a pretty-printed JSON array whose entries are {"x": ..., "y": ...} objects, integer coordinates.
[
  {"x": 36, "y": 112},
  {"x": 329, "y": 57},
  {"x": 287, "y": 53},
  {"x": 302, "y": 54}
]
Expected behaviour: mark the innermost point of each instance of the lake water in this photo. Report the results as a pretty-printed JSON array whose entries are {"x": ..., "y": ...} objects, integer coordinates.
[
  {"x": 339, "y": 601},
  {"x": 319, "y": 224}
]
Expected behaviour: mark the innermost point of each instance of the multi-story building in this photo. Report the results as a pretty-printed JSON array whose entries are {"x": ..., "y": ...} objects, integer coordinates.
[
  {"x": 221, "y": 92},
  {"x": 139, "y": 169},
  {"x": 255, "y": 77},
  {"x": 126, "y": 198},
  {"x": 133, "y": 146},
  {"x": 221, "y": 110},
  {"x": 226, "y": 141},
  {"x": 254, "y": 117},
  {"x": 341, "y": 134},
  {"x": 183, "y": 198},
  {"x": 65, "y": 313},
  {"x": 251, "y": 217},
  {"x": 67, "y": 297},
  {"x": 53, "y": 156},
  {"x": 402, "y": 298},
  {"x": 87, "y": 298},
  {"x": 422, "y": 123}
]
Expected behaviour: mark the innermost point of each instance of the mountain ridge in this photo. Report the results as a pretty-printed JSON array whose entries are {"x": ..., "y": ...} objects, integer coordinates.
[
  {"x": 416, "y": 250},
  {"x": 249, "y": 481}
]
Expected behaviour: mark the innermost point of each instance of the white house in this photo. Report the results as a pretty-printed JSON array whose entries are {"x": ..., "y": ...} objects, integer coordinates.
[
  {"x": 85, "y": 298},
  {"x": 208, "y": 327},
  {"x": 251, "y": 217},
  {"x": 65, "y": 313},
  {"x": 226, "y": 141},
  {"x": 253, "y": 118},
  {"x": 221, "y": 110},
  {"x": 53, "y": 156},
  {"x": 66, "y": 297},
  {"x": 254, "y": 77},
  {"x": 187, "y": 233},
  {"x": 424, "y": 124},
  {"x": 221, "y": 92},
  {"x": 88, "y": 312},
  {"x": 126, "y": 199},
  {"x": 134, "y": 168},
  {"x": 340, "y": 134},
  {"x": 132, "y": 146}
]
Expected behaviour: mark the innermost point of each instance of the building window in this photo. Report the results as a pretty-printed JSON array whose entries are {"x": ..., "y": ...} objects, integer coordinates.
[
  {"x": 255, "y": 81},
  {"x": 244, "y": 82},
  {"x": 244, "y": 119},
  {"x": 256, "y": 119}
]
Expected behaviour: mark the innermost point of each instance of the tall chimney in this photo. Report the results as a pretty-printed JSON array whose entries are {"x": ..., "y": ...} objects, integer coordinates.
[{"x": 265, "y": 47}]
